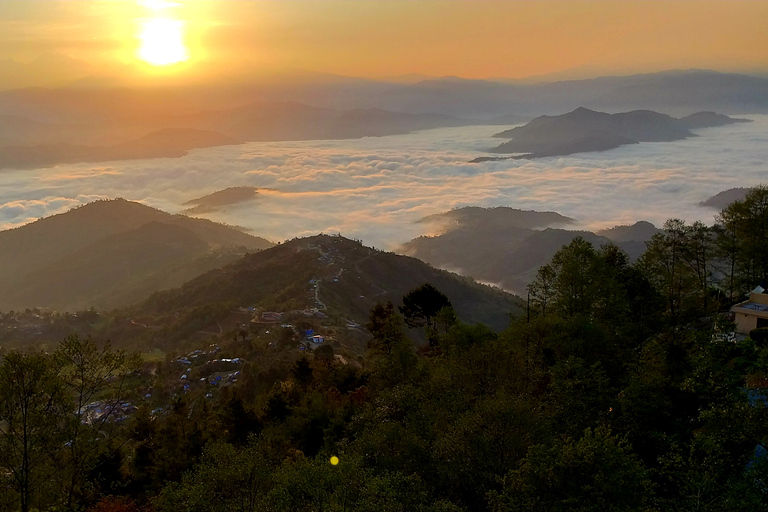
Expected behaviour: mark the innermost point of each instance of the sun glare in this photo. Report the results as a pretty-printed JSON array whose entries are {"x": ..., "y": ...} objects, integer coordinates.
[{"x": 162, "y": 42}]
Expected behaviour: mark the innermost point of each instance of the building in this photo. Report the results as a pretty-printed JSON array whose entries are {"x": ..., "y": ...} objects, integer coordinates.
[
  {"x": 751, "y": 313},
  {"x": 271, "y": 316}
]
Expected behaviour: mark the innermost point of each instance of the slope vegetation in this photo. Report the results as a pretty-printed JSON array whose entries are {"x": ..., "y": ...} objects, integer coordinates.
[{"x": 327, "y": 276}]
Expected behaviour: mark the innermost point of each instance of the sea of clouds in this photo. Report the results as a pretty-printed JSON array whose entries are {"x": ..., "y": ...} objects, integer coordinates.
[{"x": 375, "y": 189}]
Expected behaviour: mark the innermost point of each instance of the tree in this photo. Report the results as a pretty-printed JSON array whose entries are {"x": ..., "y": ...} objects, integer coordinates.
[
  {"x": 541, "y": 290},
  {"x": 393, "y": 352},
  {"x": 226, "y": 479},
  {"x": 742, "y": 240},
  {"x": 88, "y": 373},
  {"x": 324, "y": 353},
  {"x": 596, "y": 473},
  {"x": 302, "y": 372},
  {"x": 677, "y": 262},
  {"x": 386, "y": 327},
  {"x": 423, "y": 306},
  {"x": 575, "y": 267},
  {"x": 32, "y": 404}
]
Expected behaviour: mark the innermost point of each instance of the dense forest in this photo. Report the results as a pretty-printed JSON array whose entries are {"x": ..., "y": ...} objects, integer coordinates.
[{"x": 620, "y": 387}]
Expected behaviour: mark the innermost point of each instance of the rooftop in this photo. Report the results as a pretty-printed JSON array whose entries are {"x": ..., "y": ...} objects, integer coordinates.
[{"x": 753, "y": 306}]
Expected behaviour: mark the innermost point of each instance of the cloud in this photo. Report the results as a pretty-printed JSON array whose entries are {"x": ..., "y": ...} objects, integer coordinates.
[
  {"x": 376, "y": 188},
  {"x": 23, "y": 211}
]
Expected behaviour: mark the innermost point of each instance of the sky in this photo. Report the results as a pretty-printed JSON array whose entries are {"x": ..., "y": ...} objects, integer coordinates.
[{"x": 53, "y": 41}]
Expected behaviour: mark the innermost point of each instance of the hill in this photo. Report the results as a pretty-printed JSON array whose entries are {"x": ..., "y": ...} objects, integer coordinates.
[
  {"x": 110, "y": 253},
  {"x": 495, "y": 246},
  {"x": 641, "y": 230},
  {"x": 584, "y": 130},
  {"x": 724, "y": 198},
  {"x": 329, "y": 277},
  {"x": 221, "y": 198},
  {"x": 472, "y": 217}
]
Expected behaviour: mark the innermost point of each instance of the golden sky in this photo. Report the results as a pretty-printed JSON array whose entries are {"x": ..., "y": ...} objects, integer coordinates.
[{"x": 382, "y": 38}]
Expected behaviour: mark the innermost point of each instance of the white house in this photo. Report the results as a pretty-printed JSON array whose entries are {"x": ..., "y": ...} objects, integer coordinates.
[{"x": 751, "y": 313}]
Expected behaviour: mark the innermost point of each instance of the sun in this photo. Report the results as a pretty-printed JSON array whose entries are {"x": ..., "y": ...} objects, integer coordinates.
[{"x": 162, "y": 42}]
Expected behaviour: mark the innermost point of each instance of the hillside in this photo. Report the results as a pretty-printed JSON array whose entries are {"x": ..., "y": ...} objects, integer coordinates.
[
  {"x": 724, "y": 198},
  {"x": 494, "y": 245},
  {"x": 323, "y": 276},
  {"x": 110, "y": 253},
  {"x": 584, "y": 130},
  {"x": 221, "y": 198},
  {"x": 641, "y": 230}
]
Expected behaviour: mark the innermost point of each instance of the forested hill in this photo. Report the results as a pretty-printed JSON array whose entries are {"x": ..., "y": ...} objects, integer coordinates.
[
  {"x": 110, "y": 253},
  {"x": 338, "y": 277}
]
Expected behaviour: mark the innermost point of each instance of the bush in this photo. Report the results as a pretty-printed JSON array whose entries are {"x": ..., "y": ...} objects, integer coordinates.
[{"x": 759, "y": 336}]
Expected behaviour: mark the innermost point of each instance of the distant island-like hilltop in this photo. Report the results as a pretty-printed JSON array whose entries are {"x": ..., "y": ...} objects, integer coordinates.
[{"x": 584, "y": 130}]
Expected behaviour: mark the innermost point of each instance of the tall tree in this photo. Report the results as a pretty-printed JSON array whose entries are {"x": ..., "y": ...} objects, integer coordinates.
[
  {"x": 424, "y": 306},
  {"x": 33, "y": 402},
  {"x": 92, "y": 376},
  {"x": 677, "y": 261},
  {"x": 742, "y": 240}
]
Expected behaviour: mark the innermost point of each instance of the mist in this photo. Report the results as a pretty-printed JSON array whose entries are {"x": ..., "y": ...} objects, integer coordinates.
[{"x": 375, "y": 189}]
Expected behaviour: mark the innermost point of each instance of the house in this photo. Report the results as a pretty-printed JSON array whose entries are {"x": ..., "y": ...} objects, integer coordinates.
[
  {"x": 751, "y": 313},
  {"x": 271, "y": 316},
  {"x": 317, "y": 338}
]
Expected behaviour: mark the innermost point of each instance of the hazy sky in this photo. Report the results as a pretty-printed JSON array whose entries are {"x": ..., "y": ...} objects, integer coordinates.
[{"x": 378, "y": 38}]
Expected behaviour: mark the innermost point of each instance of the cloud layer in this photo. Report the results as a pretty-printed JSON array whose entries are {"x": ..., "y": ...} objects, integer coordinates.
[{"x": 376, "y": 188}]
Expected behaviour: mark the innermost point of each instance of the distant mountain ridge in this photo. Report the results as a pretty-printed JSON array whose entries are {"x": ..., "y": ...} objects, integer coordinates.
[
  {"x": 174, "y": 135},
  {"x": 36, "y": 122},
  {"x": 165, "y": 143},
  {"x": 677, "y": 92},
  {"x": 584, "y": 130},
  {"x": 110, "y": 253}
]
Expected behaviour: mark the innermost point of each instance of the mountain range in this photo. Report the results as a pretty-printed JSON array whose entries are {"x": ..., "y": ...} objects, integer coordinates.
[
  {"x": 506, "y": 247},
  {"x": 173, "y": 135},
  {"x": 86, "y": 122}
]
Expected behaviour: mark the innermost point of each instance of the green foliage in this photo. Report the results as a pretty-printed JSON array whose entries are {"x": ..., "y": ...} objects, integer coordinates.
[
  {"x": 742, "y": 241},
  {"x": 596, "y": 473},
  {"x": 759, "y": 336},
  {"x": 422, "y": 306},
  {"x": 679, "y": 264},
  {"x": 324, "y": 353},
  {"x": 226, "y": 479}
]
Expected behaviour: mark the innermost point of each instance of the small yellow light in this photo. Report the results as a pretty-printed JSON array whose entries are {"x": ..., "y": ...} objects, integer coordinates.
[{"x": 334, "y": 460}]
